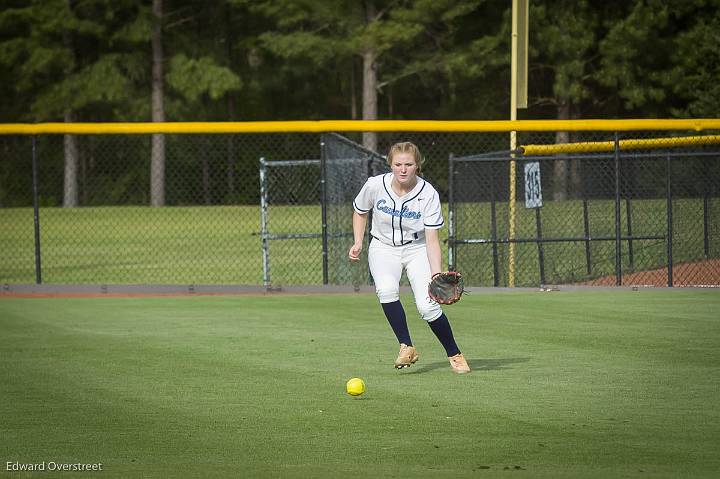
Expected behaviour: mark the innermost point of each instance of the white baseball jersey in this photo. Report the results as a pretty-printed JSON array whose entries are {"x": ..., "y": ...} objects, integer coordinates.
[{"x": 399, "y": 220}]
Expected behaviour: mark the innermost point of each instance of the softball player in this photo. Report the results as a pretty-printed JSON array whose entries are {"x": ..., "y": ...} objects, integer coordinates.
[{"x": 405, "y": 222}]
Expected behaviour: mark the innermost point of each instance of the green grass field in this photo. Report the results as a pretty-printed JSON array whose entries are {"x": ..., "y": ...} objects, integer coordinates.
[{"x": 565, "y": 385}]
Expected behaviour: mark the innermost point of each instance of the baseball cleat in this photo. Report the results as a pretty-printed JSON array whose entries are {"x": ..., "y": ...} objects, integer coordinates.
[
  {"x": 406, "y": 357},
  {"x": 458, "y": 364}
]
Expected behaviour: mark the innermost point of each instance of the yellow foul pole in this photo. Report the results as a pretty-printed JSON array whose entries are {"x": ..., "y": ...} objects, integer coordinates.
[
  {"x": 513, "y": 166},
  {"x": 518, "y": 99}
]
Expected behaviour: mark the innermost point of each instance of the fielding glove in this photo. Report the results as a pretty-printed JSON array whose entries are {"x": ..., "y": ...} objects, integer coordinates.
[{"x": 446, "y": 288}]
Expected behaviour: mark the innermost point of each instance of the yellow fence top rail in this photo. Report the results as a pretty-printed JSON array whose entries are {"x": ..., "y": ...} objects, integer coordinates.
[
  {"x": 630, "y": 144},
  {"x": 355, "y": 125}
]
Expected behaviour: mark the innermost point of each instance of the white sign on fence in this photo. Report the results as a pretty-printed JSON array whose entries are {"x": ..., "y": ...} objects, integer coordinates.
[{"x": 533, "y": 189}]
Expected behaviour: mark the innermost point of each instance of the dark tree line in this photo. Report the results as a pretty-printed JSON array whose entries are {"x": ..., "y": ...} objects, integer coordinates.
[{"x": 241, "y": 60}]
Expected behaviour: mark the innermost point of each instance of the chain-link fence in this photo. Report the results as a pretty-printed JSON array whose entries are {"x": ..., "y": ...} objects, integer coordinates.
[
  {"x": 306, "y": 208},
  {"x": 346, "y": 168},
  {"x": 291, "y": 217},
  {"x": 647, "y": 215},
  {"x": 208, "y": 232},
  {"x": 87, "y": 218}
]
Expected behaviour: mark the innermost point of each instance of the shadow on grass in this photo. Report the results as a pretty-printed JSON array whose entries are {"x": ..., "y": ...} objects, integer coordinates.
[{"x": 492, "y": 364}]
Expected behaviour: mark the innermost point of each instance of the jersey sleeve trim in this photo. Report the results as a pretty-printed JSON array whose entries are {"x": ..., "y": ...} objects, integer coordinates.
[
  {"x": 360, "y": 210},
  {"x": 435, "y": 227},
  {"x": 435, "y": 219}
]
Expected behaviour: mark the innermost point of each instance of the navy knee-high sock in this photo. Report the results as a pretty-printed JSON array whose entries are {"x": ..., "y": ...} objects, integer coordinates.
[
  {"x": 395, "y": 315},
  {"x": 443, "y": 331}
]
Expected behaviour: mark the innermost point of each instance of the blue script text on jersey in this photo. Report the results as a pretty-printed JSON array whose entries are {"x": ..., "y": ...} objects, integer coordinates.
[{"x": 405, "y": 213}]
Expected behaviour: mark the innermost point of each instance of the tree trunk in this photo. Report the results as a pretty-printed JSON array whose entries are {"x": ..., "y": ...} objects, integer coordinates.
[
  {"x": 353, "y": 92},
  {"x": 576, "y": 168},
  {"x": 230, "y": 160},
  {"x": 369, "y": 57},
  {"x": 70, "y": 186},
  {"x": 560, "y": 168},
  {"x": 70, "y": 177},
  {"x": 390, "y": 111},
  {"x": 157, "y": 160},
  {"x": 369, "y": 97}
]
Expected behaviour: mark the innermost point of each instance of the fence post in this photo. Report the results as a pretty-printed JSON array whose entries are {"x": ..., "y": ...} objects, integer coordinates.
[
  {"x": 493, "y": 228},
  {"x": 36, "y": 211},
  {"x": 263, "y": 222},
  {"x": 669, "y": 241},
  {"x": 706, "y": 209},
  {"x": 586, "y": 228},
  {"x": 451, "y": 214},
  {"x": 706, "y": 226},
  {"x": 323, "y": 205},
  {"x": 618, "y": 244},
  {"x": 586, "y": 221},
  {"x": 541, "y": 250},
  {"x": 628, "y": 212}
]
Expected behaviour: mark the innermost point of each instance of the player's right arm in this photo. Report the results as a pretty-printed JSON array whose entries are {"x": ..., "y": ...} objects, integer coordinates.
[
  {"x": 359, "y": 225},
  {"x": 361, "y": 207}
]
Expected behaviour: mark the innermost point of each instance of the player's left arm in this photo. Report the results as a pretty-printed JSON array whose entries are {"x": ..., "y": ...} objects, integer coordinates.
[
  {"x": 434, "y": 254},
  {"x": 433, "y": 220}
]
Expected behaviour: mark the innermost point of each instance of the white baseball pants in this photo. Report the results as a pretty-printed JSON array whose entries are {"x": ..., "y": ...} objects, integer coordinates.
[{"x": 386, "y": 266}]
